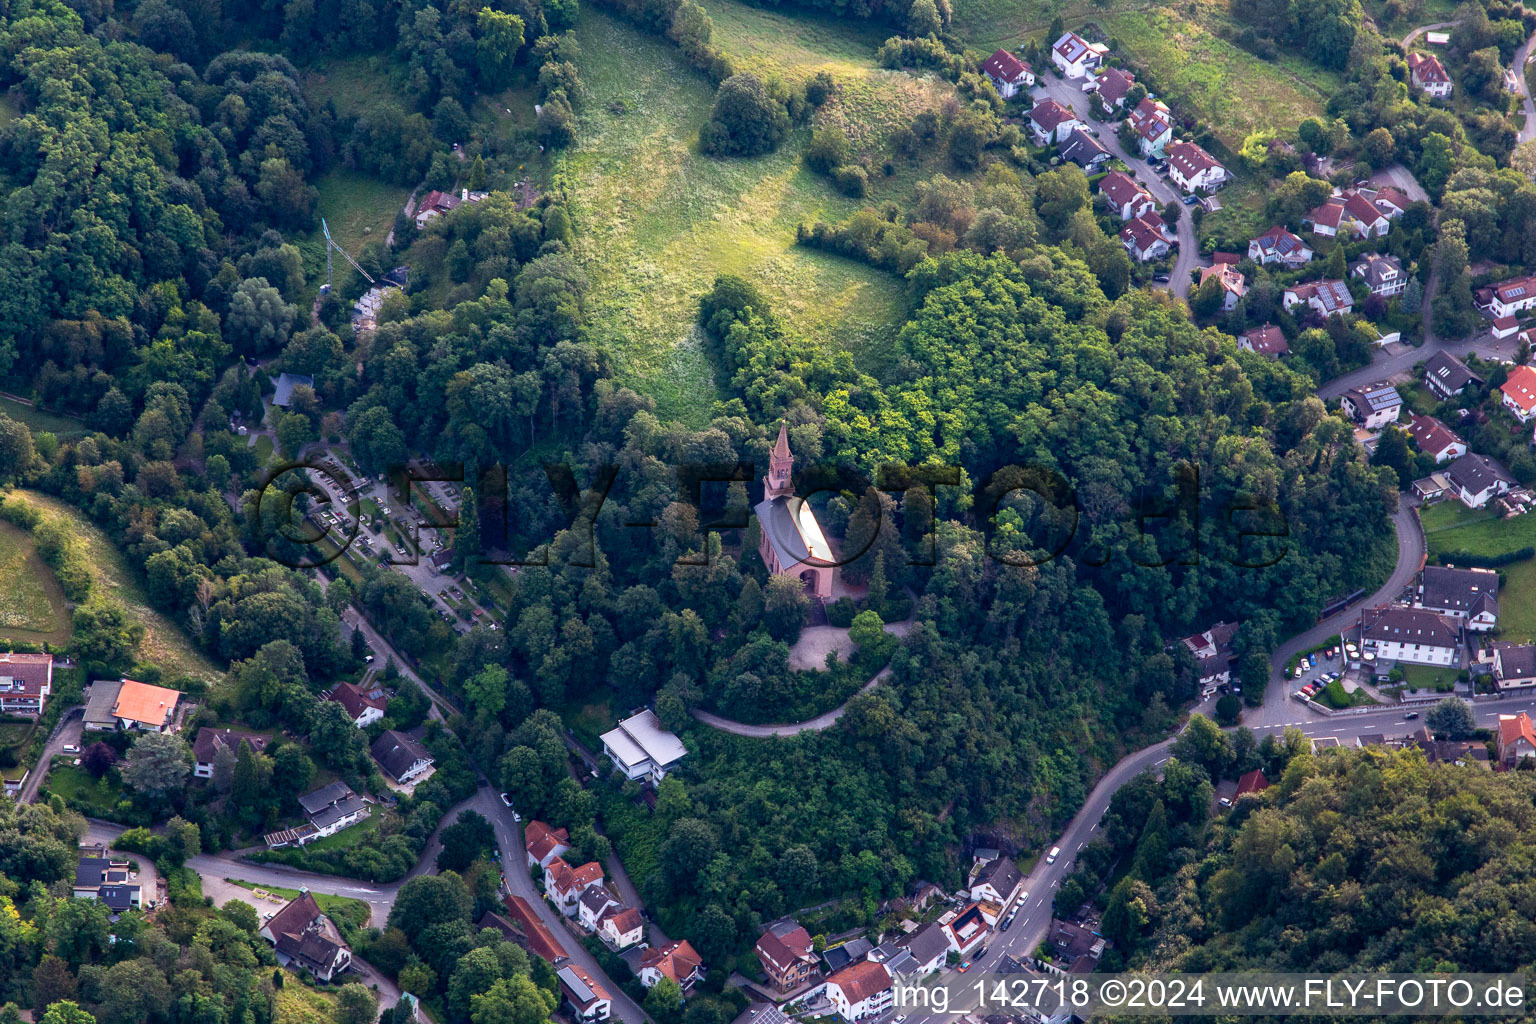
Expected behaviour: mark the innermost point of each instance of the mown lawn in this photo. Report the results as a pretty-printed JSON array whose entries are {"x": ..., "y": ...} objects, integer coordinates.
[
  {"x": 38, "y": 419},
  {"x": 656, "y": 221},
  {"x": 1428, "y": 677},
  {"x": 89, "y": 796},
  {"x": 341, "y": 909},
  {"x": 1449, "y": 526},
  {"x": 359, "y": 209},
  {"x": 164, "y": 645},
  {"x": 33, "y": 608}
]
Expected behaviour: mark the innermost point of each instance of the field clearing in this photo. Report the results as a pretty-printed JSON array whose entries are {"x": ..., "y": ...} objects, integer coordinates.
[
  {"x": 656, "y": 221},
  {"x": 165, "y": 645},
  {"x": 357, "y": 85},
  {"x": 359, "y": 208},
  {"x": 299, "y": 1004},
  {"x": 1449, "y": 526},
  {"x": 32, "y": 605},
  {"x": 1227, "y": 87},
  {"x": 38, "y": 419}
]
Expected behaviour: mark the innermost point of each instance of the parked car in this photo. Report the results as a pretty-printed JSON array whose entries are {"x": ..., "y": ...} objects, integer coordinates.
[
  {"x": 1160, "y": 278},
  {"x": 506, "y": 798},
  {"x": 1225, "y": 802},
  {"x": 1190, "y": 200},
  {"x": 70, "y": 748},
  {"x": 1050, "y": 858},
  {"x": 1410, "y": 716},
  {"x": 965, "y": 965}
]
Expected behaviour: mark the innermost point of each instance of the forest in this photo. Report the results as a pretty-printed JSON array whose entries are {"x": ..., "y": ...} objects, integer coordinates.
[{"x": 1057, "y": 476}]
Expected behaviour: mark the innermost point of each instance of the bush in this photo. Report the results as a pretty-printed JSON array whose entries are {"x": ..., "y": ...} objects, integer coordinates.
[
  {"x": 851, "y": 180},
  {"x": 828, "y": 150},
  {"x": 840, "y": 613},
  {"x": 1467, "y": 558},
  {"x": 746, "y": 120}
]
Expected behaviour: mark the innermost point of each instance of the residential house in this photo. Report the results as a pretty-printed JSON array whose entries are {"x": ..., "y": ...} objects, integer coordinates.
[
  {"x": 329, "y": 809},
  {"x": 1363, "y": 217},
  {"x": 435, "y": 204},
  {"x": 1516, "y": 739},
  {"x": 1152, "y": 124},
  {"x": 1389, "y": 199},
  {"x": 1192, "y": 168},
  {"x": 1427, "y": 73},
  {"x": 1507, "y": 298},
  {"x": 1113, "y": 84},
  {"x": 1432, "y": 488},
  {"x": 1470, "y": 596},
  {"x": 1514, "y": 666},
  {"x": 541, "y": 942},
  {"x": 588, "y": 1000},
  {"x": 1476, "y": 479},
  {"x": 1076, "y": 945},
  {"x": 210, "y": 741},
  {"x": 593, "y": 902},
  {"x": 787, "y": 955},
  {"x": 894, "y": 958},
  {"x": 676, "y": 960},
  {"x": 282, "y": 396},
  {"x": 1519, "y": 392},
  {"x": 1146, "y": 238},
  {"x": 364, "y": 707},
  {"x": 1125, "y": 196},
  {"x": 1252, "y": 782},
  {"x": 1075, "y": 56},
  {"x": 127, "y": 704},
  {"x": 1445, "y": 375},
  {"x": 1277, "y": 245},
  {"x": 563, "y": 884},
  {"x": 860, "y": 991},
  {"x": 928, "y": 945},
  {"x": 641, "y": 749},
  {"x": 1504, "y": 327},
  {"x": 26, "y": 680},
  {"x": 621, "y": 927},
  {"x": 1327, "y": 219},
  {"x": 401, "y": 757},
  {"x": 1233, "y": 287},
  {"x": 1213, "y": 653},
  {"x": 840, "y": 956},
  {"x": 1008, "y": 73},
  {"x": 967, "y": 929},
  {"x": 544, "y": 844},
  {"x": 108, "y": 880},
  {"x": 1050, "y": 122},
  {"x": 1372, "y": 406},
  {"x": 1326, "y": 298},
  {"x": 1383, "y": 275},
  {"x": 997, "y": 881},
  {"x": 305, "y": 938},
  {"x": 1435, "y": 438},
  {"x": 1266, "y": 341},
  {"x": 1084, "y": 150},
  {"x": 1410, "y": 635}
]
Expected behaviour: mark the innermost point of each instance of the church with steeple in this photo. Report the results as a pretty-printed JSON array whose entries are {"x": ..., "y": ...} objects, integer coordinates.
[{"x": 792, "y": 543}]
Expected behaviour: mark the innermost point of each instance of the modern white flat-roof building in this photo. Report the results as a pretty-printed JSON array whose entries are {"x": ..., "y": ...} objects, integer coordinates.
[{"x": 642, "y": 749}]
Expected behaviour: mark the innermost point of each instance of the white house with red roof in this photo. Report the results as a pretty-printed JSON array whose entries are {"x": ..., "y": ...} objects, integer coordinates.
[
  {"x": 1327, "y": 218},
  {"x": 363, "y": 706},
  {"x": 676, "y": 960},
  {"x": 1008, "y": 73},
  {"x": 1519, "y": 393},
  {"x": 26, "y": 680},
  {"x": 1124, "y": 195},
  {"x": 1152, "y": 122},
  {"x": 1232, "y": 285},
  {"x": 1192, "y": 168},
  {"x": 1277, "y": 245},
  {"x": 1435, "y": 438},
  {"x": 1517, "y": 738},
  {"x": 1050, "y": 122},
  {"x": 861, "y": 990},
  {"x": 1428, "y": 74},
  {"x": 545, "y": 844},
  {"x": 563, "y": 884},
  {"x": 1076, "y": 56},
  {"x": 1266, "y": 341},
  {"x": 1146, "y": 238}
]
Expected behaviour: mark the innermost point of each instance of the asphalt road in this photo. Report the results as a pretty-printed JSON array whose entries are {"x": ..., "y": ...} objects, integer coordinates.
[
  {"x": 514, "y": 860},
  {"x": 1068, "y": 92},
  {"x": 69, "y": 730},
  {"x": 1522, "y": 58}
]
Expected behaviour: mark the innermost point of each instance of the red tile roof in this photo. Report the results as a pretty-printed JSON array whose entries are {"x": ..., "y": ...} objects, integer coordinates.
[
  {"x": 354, "y": 699},
  {"x": 861, "y": 980},
  {"x": 29, "y": 673},
  {"x": 677, "y": 961},
  {"x": 1520, "y": 388},
  {"x": 1432, "y": 436},
  {"x": 1120, "y": 188},
  {"x": 1189, "y": 159},
  {"x": 1267, "y": 340},
  {"x": 1005, "y": 66},
  {"x": 540, "y": 839},
  {"x": 1049, "y": 114},
  {"x": 541, "y": 941},
  {"x": 1426, "y": 67},
  {"x": 1252, "y": 782}
]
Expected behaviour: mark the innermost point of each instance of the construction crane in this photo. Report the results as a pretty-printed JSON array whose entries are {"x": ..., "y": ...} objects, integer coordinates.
[{"x": 330, "y": 243}]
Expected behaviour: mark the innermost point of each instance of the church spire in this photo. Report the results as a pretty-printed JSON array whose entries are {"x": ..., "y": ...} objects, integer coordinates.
[{"x": 780, "y": 463}]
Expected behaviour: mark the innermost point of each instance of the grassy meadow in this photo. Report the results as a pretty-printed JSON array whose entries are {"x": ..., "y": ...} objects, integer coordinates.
[
  {"x": 32, "y": 605},
  {"x": 164, "y": 645},
  {"x": 1449, "y": 526},
  {"x": 656, "y": 220}
]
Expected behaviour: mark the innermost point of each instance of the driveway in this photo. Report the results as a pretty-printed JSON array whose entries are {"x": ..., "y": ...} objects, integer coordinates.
[
  {"x": 1068, "y": 92},
  {"x": 68, "y": 731}
]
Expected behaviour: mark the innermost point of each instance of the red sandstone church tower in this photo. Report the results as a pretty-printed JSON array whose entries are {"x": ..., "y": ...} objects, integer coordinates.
[{"x": 792, "y": 543}]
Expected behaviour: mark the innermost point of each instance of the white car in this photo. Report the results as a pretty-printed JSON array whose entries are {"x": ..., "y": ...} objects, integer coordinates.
[
  {"x": 506, "y": 799},
  {"x": 70, "y": 748}
]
